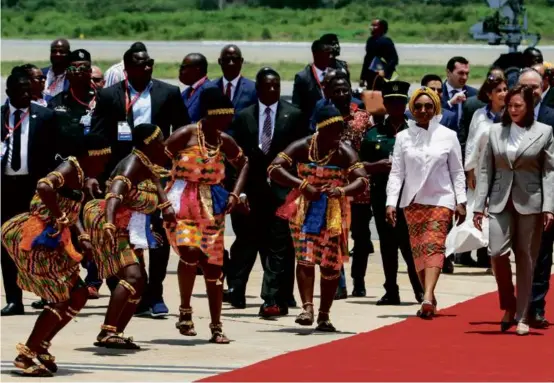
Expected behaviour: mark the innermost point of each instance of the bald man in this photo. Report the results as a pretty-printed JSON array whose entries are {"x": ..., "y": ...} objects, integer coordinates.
[
  {"x": 193, "y": 72},
  {"x": 55, "y": 74},
  {"x": 547, "y": 90},
  {"x": 97, "y": 77},
  {"x": 240, "y": 90}
]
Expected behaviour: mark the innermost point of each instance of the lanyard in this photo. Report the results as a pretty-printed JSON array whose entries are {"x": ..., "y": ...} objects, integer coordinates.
[
  {"x": 10, "y": 129},
  {"x": 129, "y": 105},
  {"x": 90, "y": 105}
]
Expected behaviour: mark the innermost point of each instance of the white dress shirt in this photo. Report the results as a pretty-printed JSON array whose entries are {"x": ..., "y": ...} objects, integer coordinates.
[
  {"x": 514, "y": 140},
  {"x": 429, "y": 164},
  {"x": 115, "y": 74},
  {"x": 234, "y": 84},
  {"x": 261, "y": 120},
  {"x": 24, "y": 169},
  {"x": 142, "y": 108},
  {"x": 54, "y": 84},
  {"x": 320, "y": 74}
]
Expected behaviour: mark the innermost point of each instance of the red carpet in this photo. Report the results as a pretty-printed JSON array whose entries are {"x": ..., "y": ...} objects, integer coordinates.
[{"x": 463, "y": 344}]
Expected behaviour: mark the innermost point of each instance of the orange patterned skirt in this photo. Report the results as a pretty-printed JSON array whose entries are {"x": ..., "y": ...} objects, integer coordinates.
[{"x": 428, "y": 227}]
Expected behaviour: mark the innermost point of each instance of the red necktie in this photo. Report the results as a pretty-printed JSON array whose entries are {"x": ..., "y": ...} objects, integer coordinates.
[{"x": 228, "y": 91}]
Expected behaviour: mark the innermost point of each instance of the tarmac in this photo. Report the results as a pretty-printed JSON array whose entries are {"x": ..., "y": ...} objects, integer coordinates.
[{"x": 165, "y": 355}]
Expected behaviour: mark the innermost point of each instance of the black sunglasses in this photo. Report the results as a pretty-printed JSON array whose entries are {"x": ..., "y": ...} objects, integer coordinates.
[
  {"x": 144, "y": 64},
  {"x": 79, "y": 69},
  {"x": 97, "y": 79}
]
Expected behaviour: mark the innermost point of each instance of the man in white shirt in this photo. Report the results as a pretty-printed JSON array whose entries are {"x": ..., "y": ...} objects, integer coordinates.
[
  {"x": 116, "y": 73},
  {"x": 262, "y": 131},
  {"x": 55, "y": 74},
  {"x": 28, "y": 134}
]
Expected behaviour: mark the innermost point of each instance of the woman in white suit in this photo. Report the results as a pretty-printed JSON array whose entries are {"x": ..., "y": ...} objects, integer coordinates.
[{"x": 492, "y": 93}]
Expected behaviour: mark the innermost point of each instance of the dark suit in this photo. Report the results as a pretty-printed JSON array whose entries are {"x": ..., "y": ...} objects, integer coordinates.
[
  {"x": 167, "y": 111},
  {"x": 543, "y": 267},
  {"x": 192, "y": 102},
  {"x": 469, "y": 92},
  {"x": 383, "y": 48},
  {"x": 548, "y": 99},
  {"x": 262, "y": 231},
  {"x": 17, "y": 191},
  {"x": 468, "y": 109},
  {"x": 245, "y": 93},
  {"x": 306, "y": 92}
]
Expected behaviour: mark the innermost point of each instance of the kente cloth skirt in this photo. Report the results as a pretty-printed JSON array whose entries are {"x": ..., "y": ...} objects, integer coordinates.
[
  {"x": 200, "y": 211},
  {"x": 50, "y": 273},
  {"x": 428, "y": 227},
  {"x": 133, "y": 232}
]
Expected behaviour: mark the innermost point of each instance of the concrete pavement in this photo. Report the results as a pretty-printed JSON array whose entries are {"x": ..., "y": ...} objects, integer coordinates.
[
  {"x": 260, "y": 51},
  {"x": 168, "y": 356}
]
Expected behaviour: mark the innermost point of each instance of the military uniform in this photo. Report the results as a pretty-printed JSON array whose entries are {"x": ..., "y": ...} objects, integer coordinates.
[{"x": 377, "y": 145}]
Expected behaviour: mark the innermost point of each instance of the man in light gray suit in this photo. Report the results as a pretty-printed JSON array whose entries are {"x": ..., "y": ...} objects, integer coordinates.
[{"x": 517, "y": 176}]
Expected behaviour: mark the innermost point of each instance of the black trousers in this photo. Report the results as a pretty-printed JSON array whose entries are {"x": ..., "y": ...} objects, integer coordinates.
[
  {"x": 157, "y": 267},
  {"x": 391, "y": 240},
  {"x": 262, "y": 232},
  {"x": 17, "y": 192},
  {"x": 361, "y": 235},
  {"x": 541, "y": 278}
]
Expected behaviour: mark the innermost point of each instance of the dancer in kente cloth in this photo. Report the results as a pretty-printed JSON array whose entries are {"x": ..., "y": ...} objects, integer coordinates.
[
  {"x": 47, "y": 262},
  {"x": 119, "y": 227},
  {"x": 201, "y": 202},
  {"x": 318, "y": 209}
]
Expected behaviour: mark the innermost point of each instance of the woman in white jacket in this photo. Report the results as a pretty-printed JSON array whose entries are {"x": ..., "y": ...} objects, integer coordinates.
[{"x": 492, "y": 92}]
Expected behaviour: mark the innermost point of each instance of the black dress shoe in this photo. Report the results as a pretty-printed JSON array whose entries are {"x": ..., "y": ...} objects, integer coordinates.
[
  {"x": 13, "y": 309},
  {"x": 359, "y": 288},
  {"x": 39, "y": 305},
  {"x": 538, "y": 321},
  {"x": 341, "y": 293},
  {"x": 448, "y": 266},
  {"x": 465, "y": 260},
  {"x": 388, "y": 300},
  {"x": 238, "y": 302}
]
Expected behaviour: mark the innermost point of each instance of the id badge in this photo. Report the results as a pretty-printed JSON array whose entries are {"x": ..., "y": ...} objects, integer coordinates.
[
  {"x": 124, "y": 131},
  {"x": 85, "y": 121}
]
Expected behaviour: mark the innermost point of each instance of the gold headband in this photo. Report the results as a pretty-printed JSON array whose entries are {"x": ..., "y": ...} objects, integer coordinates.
[
  {"x": 99, "y": 152},
  {"x": 221, "y": 111},
  {"x": 329, "y": 121},
  {"x": 153, "y": 136}
]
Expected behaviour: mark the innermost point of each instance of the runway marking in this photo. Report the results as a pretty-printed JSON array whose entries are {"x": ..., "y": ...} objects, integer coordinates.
[{"x": 132, "y": 368}]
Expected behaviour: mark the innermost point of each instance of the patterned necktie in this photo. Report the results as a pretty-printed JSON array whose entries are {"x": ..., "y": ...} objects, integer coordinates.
[
  {"x": 266, "y": 132},
  {"x": 16, "y": 150},
  {"x": 228, "y": 91}
]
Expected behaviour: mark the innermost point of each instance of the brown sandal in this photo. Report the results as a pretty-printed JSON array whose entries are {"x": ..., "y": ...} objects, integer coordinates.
[
  {"x": 185, "y": 326},
  {"x": 305, "y": 318},
  {"x": 110, "y": 338},
  {"x": 24, "y": 361},
  {"x": 47, "y": 359},
  {"x": 217, "y": 334},
  {"x": 324, "y": 325}
]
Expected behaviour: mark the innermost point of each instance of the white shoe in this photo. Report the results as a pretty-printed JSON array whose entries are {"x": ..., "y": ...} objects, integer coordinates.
[{"x": 522, "y": 329}]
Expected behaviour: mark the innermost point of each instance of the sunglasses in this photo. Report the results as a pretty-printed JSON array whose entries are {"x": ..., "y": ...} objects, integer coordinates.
[
  {"x": 427, "y": 106},
  {"x": 79, "y": 69},
  {"x": 144, "y": 64},
  {"x": 228, "y": 60},
  {"x": 97, "y": 79}
]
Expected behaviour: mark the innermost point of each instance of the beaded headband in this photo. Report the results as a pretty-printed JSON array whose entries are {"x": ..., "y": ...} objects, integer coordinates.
[
  {"x": 221, "y": 111},
  {"x": 99, "y": 152},
  {"x": 153, "y": 136},
  {"x": 329, "y": 121}
]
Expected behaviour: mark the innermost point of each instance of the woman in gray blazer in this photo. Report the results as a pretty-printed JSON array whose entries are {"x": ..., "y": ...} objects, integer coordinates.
[{"x": 517, "y": 177}]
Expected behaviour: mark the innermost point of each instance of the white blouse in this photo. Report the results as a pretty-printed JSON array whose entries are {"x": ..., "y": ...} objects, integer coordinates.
[
  {"x": 516, "y": 135},
  {"x": 477, "y": 139},
  {"x": 429, "y": 164}
]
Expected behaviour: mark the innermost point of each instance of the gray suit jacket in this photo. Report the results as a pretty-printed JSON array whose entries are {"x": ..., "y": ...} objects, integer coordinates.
[{"x": 529, "y": 180}]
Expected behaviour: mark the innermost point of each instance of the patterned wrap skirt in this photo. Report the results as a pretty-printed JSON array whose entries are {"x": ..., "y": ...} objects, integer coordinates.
[
  {"x": 428, "y": 227},
  {"x": 320, "y": 228},
  {"x": 199, "y": 201},
  {"x": 46, "y": 266}
]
